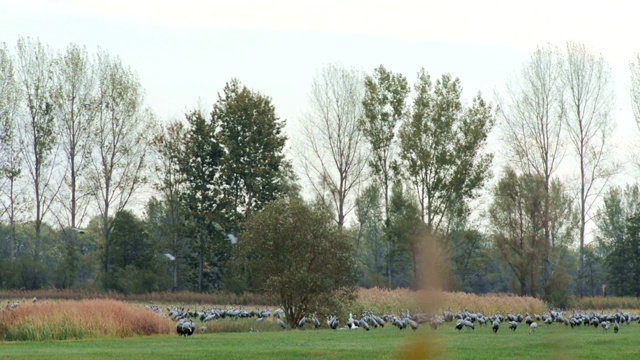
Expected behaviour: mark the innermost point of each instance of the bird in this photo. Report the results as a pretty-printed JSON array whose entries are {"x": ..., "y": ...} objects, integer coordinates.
[
  {"x": 495, "y": 326},
  {"x": 413, "y": 324},
  {"x": 513, "y": 325},
  {"x": 281, "y": 323},
  {"x": 459, "y": 324},
  {"x": 533, "y": 327},
  {"x": 315, "y": 322},
  {"x": 302, "y": 322},
  {"x": 232, "y": 238},
  {"x": 170, "y": 257},
  {"x": 35, "y": 299}
]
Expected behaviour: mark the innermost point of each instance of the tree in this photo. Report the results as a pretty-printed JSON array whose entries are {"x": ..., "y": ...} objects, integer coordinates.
[
  {"x": 122, "y": 139},
  {"x": 617, "y": 238},
  {"x": 298, "y": 254},
  {"x": 38, "y": 136},
  {"x": 10, "y": 156},
  {"x": 517, "y": 225},
  {"x": 134, "y": 257},
  {"x": 532, "y": 116},
  {"x": 370, "y": 241},
  {"x": 167, "y": 215},
  {"x": 254, "y": 170},
  {"x": 334, "y": 160},
  {"x": 384, "y": 107},
  {"x": 75, "y": 94},
  {"x": 202, "y": 194},
  {"x": 441, "y": 148},
  {"x": 406, "y": 230},
  {"x": 587, "y": 80},
  {"x": 634, "y": 90}
]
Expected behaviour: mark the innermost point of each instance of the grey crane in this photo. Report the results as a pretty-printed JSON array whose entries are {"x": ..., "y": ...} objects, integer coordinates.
[
  {"x": 533, "y": 327},
  {"x": 495, "y": 326},
  {"x": 281, "y": 323}
]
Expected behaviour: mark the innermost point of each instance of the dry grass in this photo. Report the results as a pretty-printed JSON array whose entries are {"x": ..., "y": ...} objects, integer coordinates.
[
  {"x": 606, "y": 303},
  {"x": 71, "y": 319},
  {"x": 181, "y": 297},
  {"x": 393, "y": 301}
]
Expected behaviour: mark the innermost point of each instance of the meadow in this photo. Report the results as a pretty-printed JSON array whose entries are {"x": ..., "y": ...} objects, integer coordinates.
[
  {"x": 552, "y": 342},
  {"x": 70, "y": 327}
]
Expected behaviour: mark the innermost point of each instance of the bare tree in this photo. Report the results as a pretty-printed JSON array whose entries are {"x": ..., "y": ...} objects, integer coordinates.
[
  {"x": 589, "y": 94},
  {"x": 532, "y": 115},
  {"x": 123, "y": 131},
  {"x": 38, "y": 135},
  {"x": 335, "y": 160}
]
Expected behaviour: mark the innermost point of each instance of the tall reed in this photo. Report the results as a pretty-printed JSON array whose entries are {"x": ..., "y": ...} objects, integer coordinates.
[{"x": 60, "y": 320}]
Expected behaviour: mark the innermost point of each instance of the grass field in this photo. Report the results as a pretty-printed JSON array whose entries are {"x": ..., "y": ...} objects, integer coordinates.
[{"x": 553, "y": 342}]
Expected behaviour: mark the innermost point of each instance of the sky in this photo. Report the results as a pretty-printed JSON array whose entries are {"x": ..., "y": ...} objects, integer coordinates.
[{"x": 185, "y": 51}]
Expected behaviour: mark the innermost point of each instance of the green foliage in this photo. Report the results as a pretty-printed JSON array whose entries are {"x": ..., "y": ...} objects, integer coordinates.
[
  {"x": 134, "y": 259},
  {"x": 441, "y": 146},
  {"x": 253, "y": 170},
  {"x": 370, "y": 243},
  {"x": 517, "y": 222},
  {"x": 619, "y": 239},
  {"x": 298, "y": 254}
]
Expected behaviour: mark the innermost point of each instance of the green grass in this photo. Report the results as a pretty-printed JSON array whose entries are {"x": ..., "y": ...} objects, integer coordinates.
[{"x": 554, "y": 342}]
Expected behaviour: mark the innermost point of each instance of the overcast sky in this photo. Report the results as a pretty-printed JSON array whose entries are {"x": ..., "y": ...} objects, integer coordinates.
[{"x": 185, "y": 51}]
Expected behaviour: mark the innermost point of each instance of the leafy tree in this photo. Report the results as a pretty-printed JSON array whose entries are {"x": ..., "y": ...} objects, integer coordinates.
[
  {"x": 441, "y": 148},
  {"x": 517, "y": 226},
  {"x": 11, "y": 162},
  {"x": 384, "y": 107},
  {"x": 617, "y": 236},
  {"x": 370, "y": 241},
  {"x": 253, "y": 170},
  {"x": 75, "y": 89},
  {"x": 406, "y": 231},
  {"x": 202, "y": 194},
  {"x": 298, "y": 254},
  {"x": 167, "y": 215},
  {"x": 133, "y": 261},
  {"x": 122, "y": 140},
  {"x": 38, "y": 138}
]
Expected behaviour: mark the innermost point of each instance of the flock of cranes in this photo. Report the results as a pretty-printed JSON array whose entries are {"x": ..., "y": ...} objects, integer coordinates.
[
  {"x": 185, "y": 320},
  {"x": 575, "y": 318},
  {"x": 186, "y": 326}
]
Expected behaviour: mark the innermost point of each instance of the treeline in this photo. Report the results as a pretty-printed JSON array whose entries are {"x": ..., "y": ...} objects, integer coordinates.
[{"x": 392, "y": 163}]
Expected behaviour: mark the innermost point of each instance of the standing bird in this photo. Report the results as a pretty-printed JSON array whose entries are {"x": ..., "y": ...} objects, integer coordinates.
[
  {"x": 302, "y": 322},
  {"x": 495, "y": 326},
  {"x": 281, "y": 323},
  {"x": 513, "y": 325},
  {"x": 616, "y": 327},
  {"x": 532, "y": 328},
  {"x": 459, "y": 324}
]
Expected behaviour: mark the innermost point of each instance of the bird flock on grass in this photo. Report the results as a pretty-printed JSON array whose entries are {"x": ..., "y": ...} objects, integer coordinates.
[
  {"x": 186, "y": 319},
  {"x": 575, "y": 318}
]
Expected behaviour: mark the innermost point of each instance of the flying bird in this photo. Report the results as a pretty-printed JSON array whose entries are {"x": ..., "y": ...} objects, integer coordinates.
[
  {"x": 170, "y": 257},
  {"x": 232, "y": 238}
]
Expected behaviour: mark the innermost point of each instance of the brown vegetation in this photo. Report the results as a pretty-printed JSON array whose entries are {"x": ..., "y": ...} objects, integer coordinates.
[
  {"x": 71, "y": 319},
  {"x": 393, "y": 301}
]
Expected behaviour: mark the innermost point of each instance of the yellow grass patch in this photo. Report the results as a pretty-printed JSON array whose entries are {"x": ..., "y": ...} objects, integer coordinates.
[
  {"x": 393, "y": 301},
  {"x": 70, "y": 319}
]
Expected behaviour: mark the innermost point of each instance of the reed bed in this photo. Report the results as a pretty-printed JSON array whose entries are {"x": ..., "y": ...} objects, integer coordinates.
[
  {"x": 384, "y": 301},
  {"x": 180, "y": 297},
  {"x": 72, "y": 319},
  {"x": 605, "y": 303}
]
